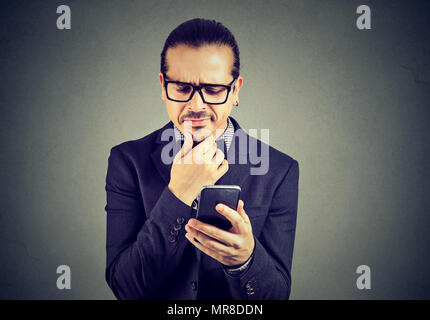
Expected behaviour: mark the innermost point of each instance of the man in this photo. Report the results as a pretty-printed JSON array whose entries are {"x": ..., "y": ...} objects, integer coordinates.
[{"x": 156, "y": 249}]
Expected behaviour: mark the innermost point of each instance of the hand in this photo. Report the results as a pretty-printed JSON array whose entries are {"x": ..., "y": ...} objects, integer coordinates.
[
  {"x": 231, "y": 248},
  {"x": 193, "y": 168}
]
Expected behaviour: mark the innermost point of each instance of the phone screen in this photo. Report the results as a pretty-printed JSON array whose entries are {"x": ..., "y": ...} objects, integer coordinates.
[{"x": 210, "y": 196}]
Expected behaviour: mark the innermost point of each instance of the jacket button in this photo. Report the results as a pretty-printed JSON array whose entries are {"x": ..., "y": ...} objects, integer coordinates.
[
  {"x": 172, "y": 238},
  {"x": 249, "y": 289},
  {"x": 174, "y": 232},
  {"x": 194, "y": 285},
  {"x": 177, "y": 227},
  {"x": 180, "y": 220}
]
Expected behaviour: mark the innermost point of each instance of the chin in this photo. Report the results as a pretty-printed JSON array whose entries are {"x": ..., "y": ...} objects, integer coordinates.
[{"x": 201, "y": 132}]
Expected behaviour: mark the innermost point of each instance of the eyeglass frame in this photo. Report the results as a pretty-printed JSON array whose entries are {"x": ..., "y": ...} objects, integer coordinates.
[{"x": 199, "y": 89}]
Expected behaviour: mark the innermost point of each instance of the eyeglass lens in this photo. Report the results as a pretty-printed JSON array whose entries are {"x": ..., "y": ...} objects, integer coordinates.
[{"x": 211, "y": 94}]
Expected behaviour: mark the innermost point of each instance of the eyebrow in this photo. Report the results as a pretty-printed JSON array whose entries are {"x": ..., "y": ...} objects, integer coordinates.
[{"x": 200, "y": 84}]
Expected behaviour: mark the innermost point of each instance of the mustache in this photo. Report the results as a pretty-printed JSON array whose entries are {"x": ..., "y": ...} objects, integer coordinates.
[{"x": 196, "y": 115}]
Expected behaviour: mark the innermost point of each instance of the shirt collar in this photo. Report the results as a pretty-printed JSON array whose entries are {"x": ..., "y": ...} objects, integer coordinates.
[{"x": 227, "y": 135}]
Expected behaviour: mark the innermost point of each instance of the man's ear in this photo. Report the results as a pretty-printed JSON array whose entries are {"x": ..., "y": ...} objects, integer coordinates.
[
  {"x": 237, "y": 86},
  {"x": 163, "y": 91}
]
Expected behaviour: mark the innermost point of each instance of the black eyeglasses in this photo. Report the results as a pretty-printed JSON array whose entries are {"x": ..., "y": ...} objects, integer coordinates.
[{"x": 183, "y": 91}]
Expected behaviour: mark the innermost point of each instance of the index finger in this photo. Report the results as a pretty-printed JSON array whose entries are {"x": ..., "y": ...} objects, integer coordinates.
[
  {"x": 185, "y": 149},
  {"x": 221, "y": 235}
]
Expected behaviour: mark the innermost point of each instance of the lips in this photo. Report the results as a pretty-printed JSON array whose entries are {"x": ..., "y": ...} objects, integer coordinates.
[{"x": 198, "y": 122}]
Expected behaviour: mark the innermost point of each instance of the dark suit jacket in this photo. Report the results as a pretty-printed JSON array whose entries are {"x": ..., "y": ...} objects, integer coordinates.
[{"x": 144, "y": 261}]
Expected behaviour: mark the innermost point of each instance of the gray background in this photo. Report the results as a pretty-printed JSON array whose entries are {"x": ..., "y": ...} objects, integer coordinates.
[{"x": 351, "y": 106}]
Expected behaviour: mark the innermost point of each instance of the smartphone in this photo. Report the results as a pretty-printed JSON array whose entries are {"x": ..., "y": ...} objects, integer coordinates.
[{"x": 210, "y": 196}]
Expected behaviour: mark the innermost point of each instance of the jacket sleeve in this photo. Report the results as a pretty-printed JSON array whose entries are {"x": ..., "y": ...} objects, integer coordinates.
[
  {"x": 137, "y": 248},
  {"x": 269, "y": 275}
]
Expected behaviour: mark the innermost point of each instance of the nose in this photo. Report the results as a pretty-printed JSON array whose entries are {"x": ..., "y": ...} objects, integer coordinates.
[{"x": 196, "y": 103}]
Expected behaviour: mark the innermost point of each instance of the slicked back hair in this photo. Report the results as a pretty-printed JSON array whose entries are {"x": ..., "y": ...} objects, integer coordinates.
[{"x": 198, "y": 32}]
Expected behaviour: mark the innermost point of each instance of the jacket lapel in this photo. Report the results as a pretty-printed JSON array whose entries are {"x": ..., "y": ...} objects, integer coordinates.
[
  {"x": 237, "y": 171},
  {"x": 163, "y": 169}
]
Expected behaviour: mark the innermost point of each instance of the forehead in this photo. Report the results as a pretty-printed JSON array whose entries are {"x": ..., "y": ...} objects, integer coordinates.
[{"x": 205, "y": 64}]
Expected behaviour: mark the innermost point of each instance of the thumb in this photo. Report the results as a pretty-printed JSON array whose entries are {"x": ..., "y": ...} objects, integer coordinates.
[
  {"x": 188, "y": 142},
  {"x": 242, "y": 212}
]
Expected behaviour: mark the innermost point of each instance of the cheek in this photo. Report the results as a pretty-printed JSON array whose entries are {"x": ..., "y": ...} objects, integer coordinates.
[
  {"x": 173, "y": 111},
  {"x": 222, "y": 115}
]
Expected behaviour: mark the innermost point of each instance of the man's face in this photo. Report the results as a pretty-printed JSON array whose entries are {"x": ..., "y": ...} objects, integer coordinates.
[{"x": 209, "y": 64}]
